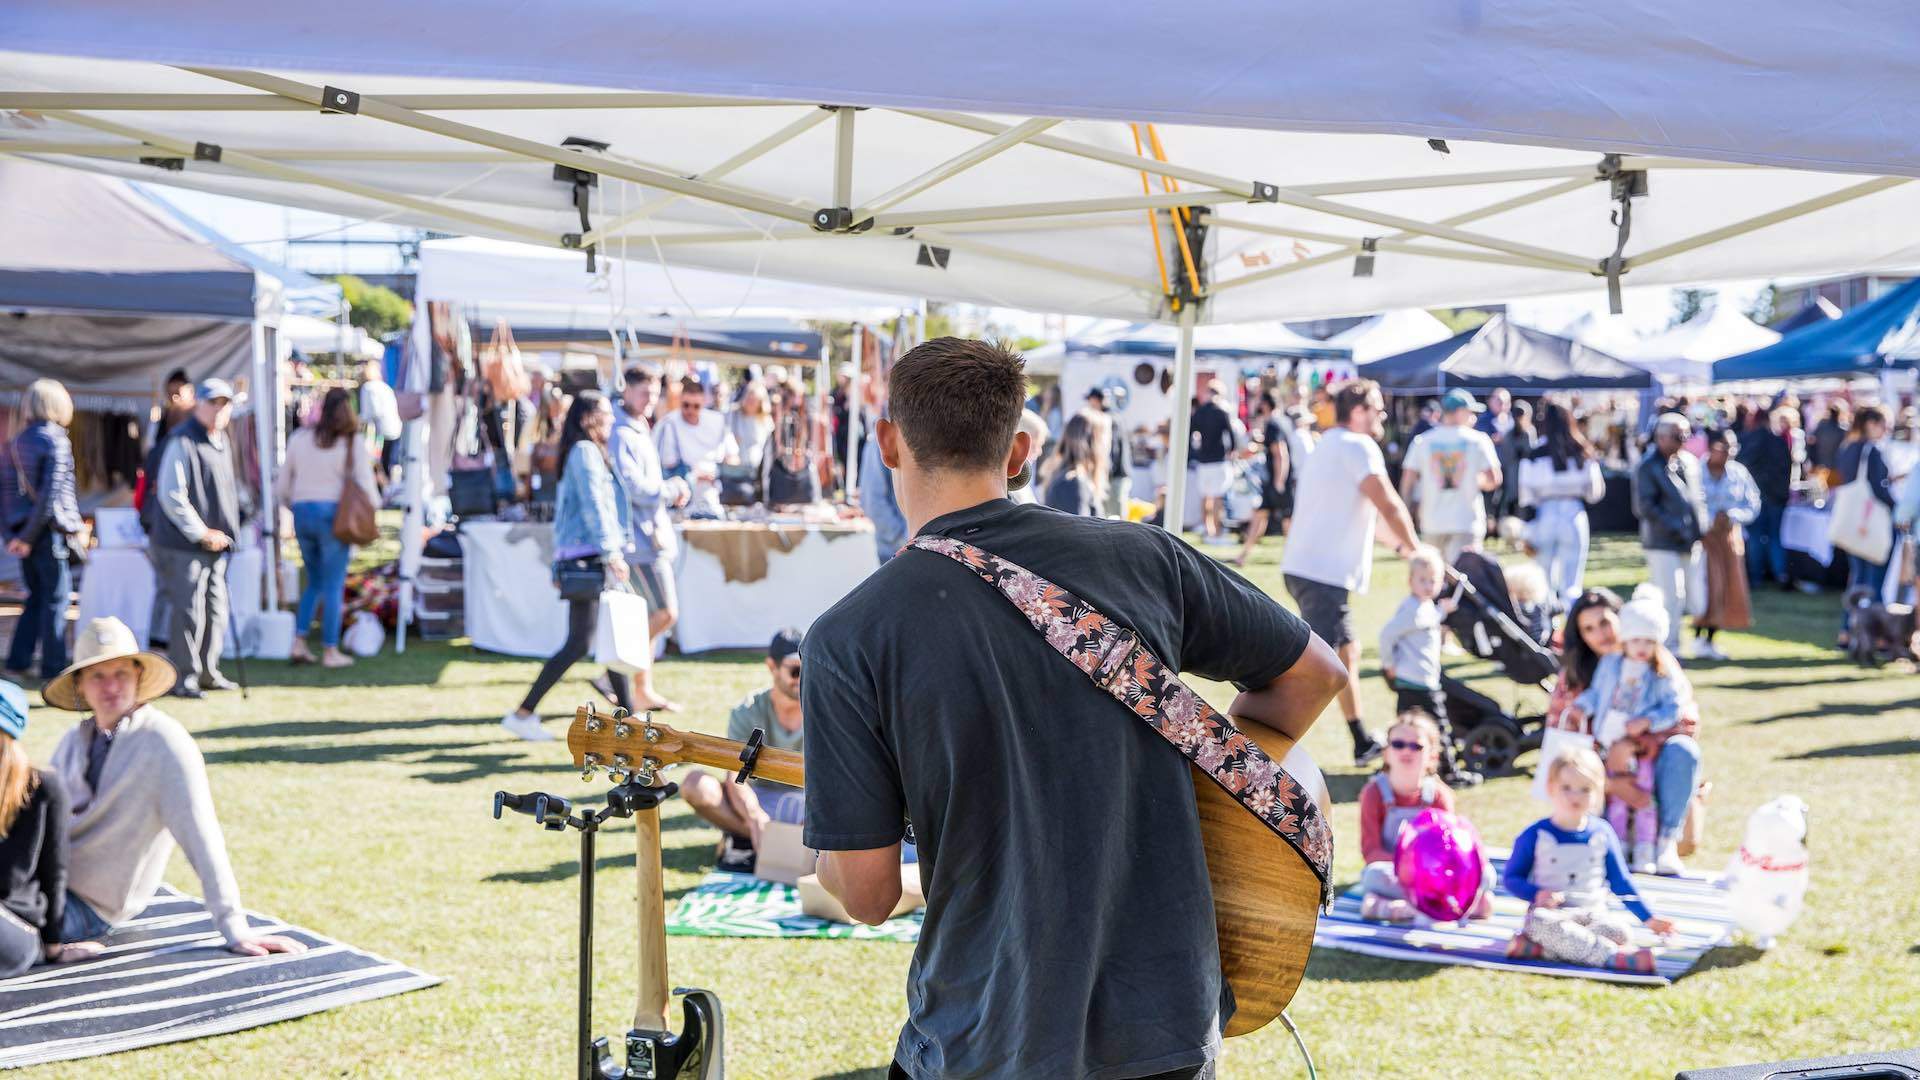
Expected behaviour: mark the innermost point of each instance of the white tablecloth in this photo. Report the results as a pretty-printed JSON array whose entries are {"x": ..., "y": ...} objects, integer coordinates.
[
  {"x": 1805, "y": 528},
  {"x": 513, "y": 608},
  {"x": 818, "y": 566},
  {"x": 118, "y": 582},
  {"x": 511, "y": 604}
]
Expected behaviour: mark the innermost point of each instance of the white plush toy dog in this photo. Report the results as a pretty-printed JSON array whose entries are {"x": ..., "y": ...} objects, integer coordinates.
[{"x": 1767, "y": 880}]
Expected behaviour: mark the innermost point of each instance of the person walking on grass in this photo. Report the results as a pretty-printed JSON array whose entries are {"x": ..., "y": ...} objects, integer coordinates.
[
  {"x": 321, "y": 460},
  {"x": 1276, "y": 485},
  {"x": 1559, "y": 478},
  {"x": 591, "y": 532},
  {"x": 1445, "y": 474},
  {"x": 199, "y": 513},
  {"x": 138, "y": 787},
  {"x": 1860, "y": 456},
  {"x": 42, "y": 523},
  {"x": 649, "y": 494},
  {"x": 1344, "y": 487},
  {"x": 1213, "y": 443},
  {"x": 1668, "y": 500}
]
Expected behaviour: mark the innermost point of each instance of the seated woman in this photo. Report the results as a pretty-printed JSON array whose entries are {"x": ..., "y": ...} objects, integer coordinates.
[
  {"x": 138, "y": 786},
  {"x": 33, "y": 851},
  {"x": 1592, "y": 631}
]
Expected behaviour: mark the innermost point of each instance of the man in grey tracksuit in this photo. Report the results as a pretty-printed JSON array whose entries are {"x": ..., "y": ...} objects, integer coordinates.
[{"x": 199, "y": 503}]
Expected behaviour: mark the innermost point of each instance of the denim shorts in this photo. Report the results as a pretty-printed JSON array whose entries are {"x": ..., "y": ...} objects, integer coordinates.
[{"x": 82, "y": 923}]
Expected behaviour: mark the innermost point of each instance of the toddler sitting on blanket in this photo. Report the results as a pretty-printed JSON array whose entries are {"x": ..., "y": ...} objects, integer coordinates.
[
  {"x": 1632, "y": 704},
  {"x": 1564, "y": 865},
  {"x": 1399, "y": 791}
]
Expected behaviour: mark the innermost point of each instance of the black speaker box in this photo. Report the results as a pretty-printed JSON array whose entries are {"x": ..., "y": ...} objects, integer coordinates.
[{"x": 1889, "y": 1065}]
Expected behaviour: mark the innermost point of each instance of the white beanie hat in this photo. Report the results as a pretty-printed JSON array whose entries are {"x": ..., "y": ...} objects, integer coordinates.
[{"x": 1645, "y": 616}]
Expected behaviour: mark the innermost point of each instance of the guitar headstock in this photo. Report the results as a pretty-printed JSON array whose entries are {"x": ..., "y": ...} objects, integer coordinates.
[{"x": 622, "y": 744}]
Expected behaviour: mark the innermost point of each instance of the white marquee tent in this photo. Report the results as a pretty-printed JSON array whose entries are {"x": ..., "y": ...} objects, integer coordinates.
[
  {"x": 1686, "y": 352},
  {"x": 1582, "y": 147}
]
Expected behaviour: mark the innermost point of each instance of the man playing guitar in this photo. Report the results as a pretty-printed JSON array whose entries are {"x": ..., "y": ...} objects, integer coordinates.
[{"x": 1069, "y": 929}]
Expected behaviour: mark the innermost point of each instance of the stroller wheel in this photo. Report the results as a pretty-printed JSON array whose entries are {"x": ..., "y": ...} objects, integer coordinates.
[{"x": 1490, "y": 748}]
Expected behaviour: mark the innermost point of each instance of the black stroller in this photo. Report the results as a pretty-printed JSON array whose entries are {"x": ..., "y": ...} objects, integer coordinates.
[{"x": 1489, "y": 626}]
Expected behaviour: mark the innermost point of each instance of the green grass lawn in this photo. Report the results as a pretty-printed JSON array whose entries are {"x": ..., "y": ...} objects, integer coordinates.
[{"x": 357, "y": 804}]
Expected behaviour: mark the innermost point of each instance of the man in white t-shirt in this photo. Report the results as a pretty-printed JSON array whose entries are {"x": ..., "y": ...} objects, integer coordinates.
[
  {"x": 1446, "y": 469},
  {"x": 1341, "y": 489},
  {"x": 694, "y": 442}
]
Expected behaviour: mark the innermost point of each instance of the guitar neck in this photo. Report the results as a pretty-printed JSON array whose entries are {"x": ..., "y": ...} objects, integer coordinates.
[{"x": 779, "y": 766}]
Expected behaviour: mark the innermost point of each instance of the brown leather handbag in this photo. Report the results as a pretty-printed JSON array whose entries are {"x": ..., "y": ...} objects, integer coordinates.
[{"x": 353, "y": 520}]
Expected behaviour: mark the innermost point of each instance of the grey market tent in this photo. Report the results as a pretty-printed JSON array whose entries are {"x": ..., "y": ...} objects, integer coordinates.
[
  {"x": 1502, "y": 355},
  {"x": 106, "y": 291}
]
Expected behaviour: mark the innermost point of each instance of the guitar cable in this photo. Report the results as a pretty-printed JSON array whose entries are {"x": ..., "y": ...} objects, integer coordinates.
[{"x": 1305, "y": 1055}]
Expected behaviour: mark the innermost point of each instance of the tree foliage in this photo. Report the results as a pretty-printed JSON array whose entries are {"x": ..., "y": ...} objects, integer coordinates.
[{"x": 374, "y": 308}]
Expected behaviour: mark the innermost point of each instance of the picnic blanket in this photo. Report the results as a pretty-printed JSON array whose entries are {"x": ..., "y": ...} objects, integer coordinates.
[
  {"x": 167, "y": 977},
  {"x": 743, "y": 906},
  {"x": 1697, "y": 907}
]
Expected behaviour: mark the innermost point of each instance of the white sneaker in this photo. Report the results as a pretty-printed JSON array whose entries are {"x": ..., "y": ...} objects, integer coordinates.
[
  {"x": 1710, "y": 651},
  {"x": 1690, "y": 649},
  {"x": 525, "y": 727},
  {"x": 1669, "y": 864},
  {"x": 1642, "y": 861}
]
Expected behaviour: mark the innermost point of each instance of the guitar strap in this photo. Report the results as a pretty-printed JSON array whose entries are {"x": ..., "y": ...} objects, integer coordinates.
[{"x": 1118, "y": 662}]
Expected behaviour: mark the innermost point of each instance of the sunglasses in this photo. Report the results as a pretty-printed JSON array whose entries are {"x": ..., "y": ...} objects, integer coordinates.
[
  {"x": 792, "y": 670},
  {"x": 1402, "y": 744}
]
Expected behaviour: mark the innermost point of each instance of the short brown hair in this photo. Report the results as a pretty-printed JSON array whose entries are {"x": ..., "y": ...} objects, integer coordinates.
[
  {"x": 1352, "y": 394},
  {"x": 957, "y": 402}
]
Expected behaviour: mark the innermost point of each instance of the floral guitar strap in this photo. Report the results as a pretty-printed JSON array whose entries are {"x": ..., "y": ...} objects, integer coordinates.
[{"x": 1119, "y": 663}]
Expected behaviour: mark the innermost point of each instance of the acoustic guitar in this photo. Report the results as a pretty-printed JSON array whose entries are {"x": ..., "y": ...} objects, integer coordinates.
[{"x": 1266, "y": 899}]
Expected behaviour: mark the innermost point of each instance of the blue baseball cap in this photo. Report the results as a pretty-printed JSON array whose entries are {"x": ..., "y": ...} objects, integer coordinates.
[
  {"x": 1460, "y": 399},
  {"x": 13, "y": 710}
]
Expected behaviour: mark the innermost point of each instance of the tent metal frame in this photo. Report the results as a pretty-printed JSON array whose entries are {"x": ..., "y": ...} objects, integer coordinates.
[{"x": 880, "y": 216}]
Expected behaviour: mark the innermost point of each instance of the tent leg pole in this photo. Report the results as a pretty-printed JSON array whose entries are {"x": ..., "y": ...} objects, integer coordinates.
[
  {"x": 266, "y": 423},
  {"x": 1180, "y": 430}
]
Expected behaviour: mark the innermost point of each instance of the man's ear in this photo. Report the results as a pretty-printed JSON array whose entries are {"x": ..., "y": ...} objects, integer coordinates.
[
  {"x": 1019, "y": 453},
  {"x": 889, "y": 435}
]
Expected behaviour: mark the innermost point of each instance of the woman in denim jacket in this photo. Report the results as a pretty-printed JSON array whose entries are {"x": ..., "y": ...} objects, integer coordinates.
[
  {"x": 42, "y": 520},
  {"x": 591, "y": 528}
]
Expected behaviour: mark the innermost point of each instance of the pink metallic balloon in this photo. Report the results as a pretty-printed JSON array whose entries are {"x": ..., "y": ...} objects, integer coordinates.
[{"x": 1439, "y": 864}]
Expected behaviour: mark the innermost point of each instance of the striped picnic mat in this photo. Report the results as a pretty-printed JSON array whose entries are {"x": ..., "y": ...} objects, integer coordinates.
[
  {"x": 743, "y": 906},
  {"x": 167, "y": 977},
  {"x": 1695, "y": 904}
]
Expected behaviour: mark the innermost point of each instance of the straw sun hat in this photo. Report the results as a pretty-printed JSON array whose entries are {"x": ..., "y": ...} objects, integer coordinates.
[{"x": 103, "y": 640}]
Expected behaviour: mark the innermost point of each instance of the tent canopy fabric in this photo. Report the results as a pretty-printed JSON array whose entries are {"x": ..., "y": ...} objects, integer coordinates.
[
  {"x": 1042, "y": 214},
  {"x": 1725, "y": 79},
  {"x": 1687, "y": 351},
  {"x": 755, "y": 339},
  {"x": 1881, "y": 333},
  {"x": 87, "y": 243},
  {"x": 1274, "y": 340},
  {"x": 1390, "y": 334},
  {"x": 1502, "y": 355}
]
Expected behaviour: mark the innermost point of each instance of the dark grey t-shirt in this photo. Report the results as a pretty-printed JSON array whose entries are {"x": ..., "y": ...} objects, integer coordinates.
[{"x": 1069, "y": 924}]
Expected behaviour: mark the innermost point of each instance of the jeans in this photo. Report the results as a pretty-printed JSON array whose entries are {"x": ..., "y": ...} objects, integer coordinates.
[
  {"x": 81, "y": 922},
  {"x": 326, "y": 558},
  {"x": 1861, "y": 574},
  {"x": 1676, "y": 773},
  {"x": 43, "y": 621},
  {"x": 1766, "y": 555},
  {"x": 583, "y": 618},
  {"x": 1560, "y": 538},
  {"x": 1671, "y": 571}
]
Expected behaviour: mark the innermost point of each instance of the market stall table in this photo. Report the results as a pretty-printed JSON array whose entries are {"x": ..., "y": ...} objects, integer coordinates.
[
  {"x": 741, "y": 581},
  {"x": 738, "y": 582}
]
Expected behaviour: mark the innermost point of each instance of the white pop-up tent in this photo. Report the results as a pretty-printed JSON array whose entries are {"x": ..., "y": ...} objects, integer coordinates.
[
  {"x": 1685, "y": 353},
  {"x": 1291, "y": 175}
]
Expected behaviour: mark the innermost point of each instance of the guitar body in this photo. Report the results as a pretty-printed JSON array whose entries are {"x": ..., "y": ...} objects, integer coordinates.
[{"x": 1266, "y": 899}]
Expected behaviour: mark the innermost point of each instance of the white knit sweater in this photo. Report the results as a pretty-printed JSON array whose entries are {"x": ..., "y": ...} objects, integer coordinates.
[{"x": 152, "y": 794}]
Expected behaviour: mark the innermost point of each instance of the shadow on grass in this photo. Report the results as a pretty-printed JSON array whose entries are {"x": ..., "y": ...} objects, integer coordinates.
[
  {"x": 1728, "y": 956},
  {"x": 1346, "y": 787},
  {"x": 1890, "y": 748},
  {"x": 320, "y": 755},
  {"x": 689, "y": 859},
  {"x": 1761, "y": 685},
  {"x": 878, "y": 1072},
  {"x": 1829, "y": 709},
  {"x": 1330, "y": 965},
  {"x": 295, "y": 729}
]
